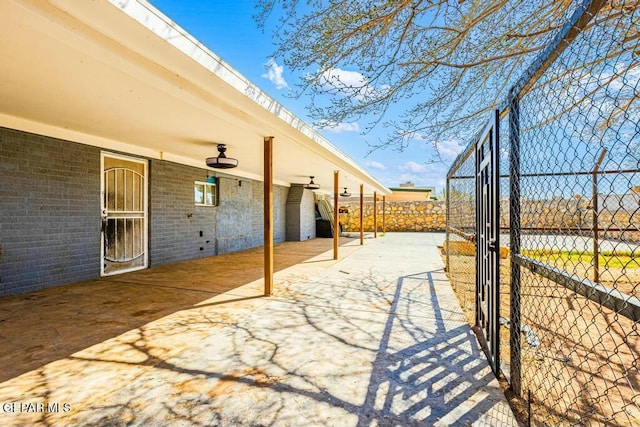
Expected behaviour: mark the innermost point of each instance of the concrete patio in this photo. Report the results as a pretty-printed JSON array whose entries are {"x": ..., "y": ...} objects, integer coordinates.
[{"x": 376, "y": 338}]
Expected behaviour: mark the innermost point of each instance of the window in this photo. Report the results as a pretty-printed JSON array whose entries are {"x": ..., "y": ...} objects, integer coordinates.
[{"x": 206, "y": 194}]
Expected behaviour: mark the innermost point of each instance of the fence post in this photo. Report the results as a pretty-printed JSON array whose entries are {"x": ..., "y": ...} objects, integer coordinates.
[
  {"x": 375, "y": 214},
  {"x": 479, "y": 220},
  {"x": 594, "y": 206},
  {"x": 448, "y": 219},
  {"x": 515, "y": 371}
]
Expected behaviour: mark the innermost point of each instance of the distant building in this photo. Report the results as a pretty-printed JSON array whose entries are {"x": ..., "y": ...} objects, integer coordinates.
[{"x": 408, "y": 192}]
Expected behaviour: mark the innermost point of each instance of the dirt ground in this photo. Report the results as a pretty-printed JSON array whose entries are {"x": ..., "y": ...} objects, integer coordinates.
[{"x": 580, "y": 362}]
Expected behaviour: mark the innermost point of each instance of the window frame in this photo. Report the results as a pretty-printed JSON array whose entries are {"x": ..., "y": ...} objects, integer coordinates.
[{"x": 205, "y": 186}]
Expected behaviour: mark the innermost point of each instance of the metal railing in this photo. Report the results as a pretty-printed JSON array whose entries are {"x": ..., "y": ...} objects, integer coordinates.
[{"x": 569, "y": 270}]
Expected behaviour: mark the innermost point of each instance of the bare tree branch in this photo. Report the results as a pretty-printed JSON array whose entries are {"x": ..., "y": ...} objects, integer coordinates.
[{"x": 451, "y": 62}]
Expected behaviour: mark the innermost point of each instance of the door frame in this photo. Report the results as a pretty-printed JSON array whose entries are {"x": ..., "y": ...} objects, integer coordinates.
[{"x": 145, "y": 163}]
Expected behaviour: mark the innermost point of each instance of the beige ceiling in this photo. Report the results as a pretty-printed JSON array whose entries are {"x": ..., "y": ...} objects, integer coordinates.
[{"x": 120, "y": 75}]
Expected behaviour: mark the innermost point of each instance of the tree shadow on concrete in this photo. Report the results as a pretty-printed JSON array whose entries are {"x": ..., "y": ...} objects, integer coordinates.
[
  {"x": 43, "y": 326},
  {"x": 354, "y": 351}
]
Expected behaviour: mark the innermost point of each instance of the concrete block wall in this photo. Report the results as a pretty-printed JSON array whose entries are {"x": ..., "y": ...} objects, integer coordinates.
[
  {"x": 178, "y": 229},
  {"x": 240, "y": 221},
  {"x": 257, "y": 213},
  {"x": 307, "y": 216},
  {"x": 49, "y": 212},
  {"x": 280, "y": 195},
  {"x": 300, "y": 212},
  {"x": 235, "y": 217}
]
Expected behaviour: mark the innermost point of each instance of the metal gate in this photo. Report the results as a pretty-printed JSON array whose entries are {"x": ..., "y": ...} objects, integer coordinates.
[
  {"x": 124, "y": 214},
  {"x": 488, "y": 239}
]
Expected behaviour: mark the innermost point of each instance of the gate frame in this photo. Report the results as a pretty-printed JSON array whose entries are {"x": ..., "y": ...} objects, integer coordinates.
[
  {"x": 585, "y": 11},
  {"x": 488, "y": 241}
]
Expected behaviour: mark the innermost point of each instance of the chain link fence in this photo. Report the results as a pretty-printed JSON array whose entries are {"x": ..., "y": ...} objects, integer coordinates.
[
  {"x": 570, "y": 221},
  {"x": 461, "y": 226}
]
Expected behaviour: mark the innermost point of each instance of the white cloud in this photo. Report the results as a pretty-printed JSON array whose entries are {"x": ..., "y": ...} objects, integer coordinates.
[
  {"x": 339, "y": 127},
  {"x": 449, "y": 150},
  {"x": 407, "y": 177},
  {"x": 350, "y": 83},
  {"x": 376, "y": 165},
  {"x": 434, "y": 175},
  {"x": 416, "y": 136},
  {"x": 413, "y": 167},
  {"x": 274, "y": 74}
]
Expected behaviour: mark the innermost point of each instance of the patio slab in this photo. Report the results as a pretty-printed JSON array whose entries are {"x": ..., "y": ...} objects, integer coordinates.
[{"x": 375, "y": 338}]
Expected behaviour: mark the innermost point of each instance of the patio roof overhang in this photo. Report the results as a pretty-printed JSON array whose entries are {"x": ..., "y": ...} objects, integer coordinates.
[{"x": 120, "y": 75}]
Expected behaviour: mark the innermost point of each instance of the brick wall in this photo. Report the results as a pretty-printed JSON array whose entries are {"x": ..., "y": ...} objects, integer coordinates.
[
  {"x": 178, "y": 229},
  {"x": 49, "y": 212}
]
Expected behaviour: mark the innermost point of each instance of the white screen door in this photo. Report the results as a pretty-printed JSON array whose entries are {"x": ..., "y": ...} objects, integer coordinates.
[{"x": 124, "y": 214}]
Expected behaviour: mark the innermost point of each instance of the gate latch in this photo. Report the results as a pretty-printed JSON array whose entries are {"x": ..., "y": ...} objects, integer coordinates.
[{"x": 492, "y": 245}]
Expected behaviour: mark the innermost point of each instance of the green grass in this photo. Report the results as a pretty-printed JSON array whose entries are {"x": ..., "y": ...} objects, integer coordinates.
[{"x": 610, "y": 259}]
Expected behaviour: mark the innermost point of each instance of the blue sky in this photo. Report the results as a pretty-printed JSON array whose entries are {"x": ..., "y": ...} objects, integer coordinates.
[{"x": 227, "y": 28}]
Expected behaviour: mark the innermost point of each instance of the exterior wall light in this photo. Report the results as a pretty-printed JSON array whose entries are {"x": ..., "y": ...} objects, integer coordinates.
[
  {"x": 312, "y": 185},
  {"x": 222, "y": 161}
]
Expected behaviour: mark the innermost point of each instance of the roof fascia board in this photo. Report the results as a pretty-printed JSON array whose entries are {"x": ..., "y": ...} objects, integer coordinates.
[
  {"x": 40, "y": 128},
  {"x": 242, "y": 97},
  {"x": 154, "y": 20}
]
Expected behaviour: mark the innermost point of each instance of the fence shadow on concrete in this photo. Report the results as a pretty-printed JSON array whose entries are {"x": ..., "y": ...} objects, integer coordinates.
[
  {"x": 345, "y": 349},
  {"x": 436, "y": 375}
]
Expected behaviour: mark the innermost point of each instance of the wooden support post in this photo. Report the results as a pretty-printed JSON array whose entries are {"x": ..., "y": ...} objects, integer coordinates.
[
  {"x": 375, "y": 214},
  {"x": 384, "y": 207},
  {"x": 268, "y": 215},
  {"x": 361, "y": 214},
  {"x": 336, "y": 223}
]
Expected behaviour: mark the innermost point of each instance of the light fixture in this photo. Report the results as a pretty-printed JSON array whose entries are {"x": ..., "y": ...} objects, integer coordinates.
[
  {"x": 312, "y": 185},
  {"x": 222, "y": 161},
  {"x": 345, "y": 193}
]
